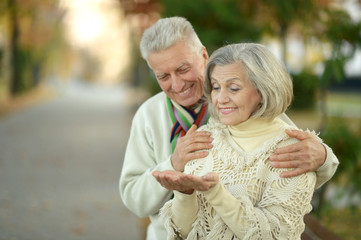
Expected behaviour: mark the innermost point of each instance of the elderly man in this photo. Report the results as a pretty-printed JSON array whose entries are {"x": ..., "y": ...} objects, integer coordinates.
[{"x": 163, "y": 134}]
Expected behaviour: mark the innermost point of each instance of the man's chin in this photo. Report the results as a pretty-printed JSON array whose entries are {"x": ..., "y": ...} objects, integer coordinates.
[{"x": 187, "y": 104}]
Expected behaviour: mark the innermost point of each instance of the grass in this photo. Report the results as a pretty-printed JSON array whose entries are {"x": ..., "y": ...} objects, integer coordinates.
[
  {"x": 345, "y": 105},
  {"x": 344, "y": 222}
]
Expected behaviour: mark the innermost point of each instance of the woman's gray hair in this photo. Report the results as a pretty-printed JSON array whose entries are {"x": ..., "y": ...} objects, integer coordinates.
[
  {"x": 166, "y": 32},
  {"x": 264, "y": 71}
]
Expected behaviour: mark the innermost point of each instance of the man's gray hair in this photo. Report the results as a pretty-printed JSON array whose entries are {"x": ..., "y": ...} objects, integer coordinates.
[
  {"x": 269, "y": 76},
  {"x": 166, "y": 32}
]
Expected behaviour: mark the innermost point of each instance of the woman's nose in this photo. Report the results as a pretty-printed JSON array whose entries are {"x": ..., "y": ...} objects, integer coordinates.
[{"x": 223, "y": 96}]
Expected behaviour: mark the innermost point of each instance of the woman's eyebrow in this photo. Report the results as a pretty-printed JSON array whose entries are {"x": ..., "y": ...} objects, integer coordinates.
[{"x": 228, "y": 80}]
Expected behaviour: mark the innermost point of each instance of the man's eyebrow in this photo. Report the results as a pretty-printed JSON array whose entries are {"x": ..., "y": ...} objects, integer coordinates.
[
  {"x": 164, "y": 74},
  {"x": 181, "y": 65}
]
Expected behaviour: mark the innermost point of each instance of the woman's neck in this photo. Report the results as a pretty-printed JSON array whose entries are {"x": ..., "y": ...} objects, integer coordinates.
[{"x": 252, "y": 133}]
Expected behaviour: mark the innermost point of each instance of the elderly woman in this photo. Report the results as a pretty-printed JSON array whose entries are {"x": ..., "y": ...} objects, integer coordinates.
[{"x": 235, "y": 193}]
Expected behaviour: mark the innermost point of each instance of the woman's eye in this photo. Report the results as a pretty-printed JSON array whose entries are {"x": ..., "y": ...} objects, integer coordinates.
[
  {"x": 215, "y": 87},
  {"x": 234, "y": 87}
]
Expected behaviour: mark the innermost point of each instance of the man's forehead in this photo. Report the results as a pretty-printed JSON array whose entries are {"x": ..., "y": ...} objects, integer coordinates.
[
  {"x": 161, "y": 70},
  {"x": 178, "y": 67}
]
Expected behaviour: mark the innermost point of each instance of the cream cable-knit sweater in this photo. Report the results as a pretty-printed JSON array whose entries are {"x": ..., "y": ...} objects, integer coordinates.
[{"x": 251, "y": 201}]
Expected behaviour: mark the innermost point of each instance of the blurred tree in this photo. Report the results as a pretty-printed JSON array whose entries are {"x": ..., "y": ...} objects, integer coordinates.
[
  {"x": 10, "y": 69},
  {"x": 32, "y": 29},
  {"x": 217, "y": 22},
  {"x": 343, "y": 35},
  {"x": 140, "y": 15},
  {"x": 285, "y": 18},
  {"x": 346, "y": 143}
]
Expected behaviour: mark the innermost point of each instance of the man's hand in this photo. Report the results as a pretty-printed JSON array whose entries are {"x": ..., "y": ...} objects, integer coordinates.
[
  {"x": 304, "y": 156},
  {"x": 185, "y": 183},
  {"x": 188, "y": 147}
]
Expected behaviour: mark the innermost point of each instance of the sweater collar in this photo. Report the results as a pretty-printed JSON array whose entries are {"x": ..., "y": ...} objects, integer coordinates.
[{"x": 254, "y": 127}]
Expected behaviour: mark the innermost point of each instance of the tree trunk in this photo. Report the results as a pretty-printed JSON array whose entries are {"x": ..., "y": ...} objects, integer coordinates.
[
  {"x": 14, "y": 72},
  {"x": 283, "y": 36}
]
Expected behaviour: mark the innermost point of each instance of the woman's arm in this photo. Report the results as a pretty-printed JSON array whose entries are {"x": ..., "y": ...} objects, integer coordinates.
[
  {"x": 278, "y": 215},
  {"x": 180, "y": 213}
]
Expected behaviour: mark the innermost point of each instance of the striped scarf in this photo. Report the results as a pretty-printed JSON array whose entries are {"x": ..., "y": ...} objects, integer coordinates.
[{"x": 183, "y": 118}]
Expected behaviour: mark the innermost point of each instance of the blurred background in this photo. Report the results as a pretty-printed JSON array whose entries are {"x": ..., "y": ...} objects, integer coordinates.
[{"x": 71, "y": 78}]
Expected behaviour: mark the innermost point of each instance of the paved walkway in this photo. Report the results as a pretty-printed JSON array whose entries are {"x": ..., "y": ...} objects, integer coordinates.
[{"x": 60, "y": 162}]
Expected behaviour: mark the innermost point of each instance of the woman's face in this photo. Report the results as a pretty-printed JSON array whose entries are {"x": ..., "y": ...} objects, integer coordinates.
[{"x": 233, "y": 95}]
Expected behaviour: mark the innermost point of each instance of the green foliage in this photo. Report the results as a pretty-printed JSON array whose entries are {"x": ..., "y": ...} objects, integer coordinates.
[
  {"x": 305, "y": 87},
  {"x": 333, "y": 71},
  {"x": 346, "y": 144},
  {"x": 27, "y": 70},
  {"x": 340, "y": 31},
  {"x": 216, "y": 22},
  {"x": 152, "y": 84},
  {"x": 289, "y": 12},
  {"x": 340, "y": 28},
  {"x": 31, "y": 35}
]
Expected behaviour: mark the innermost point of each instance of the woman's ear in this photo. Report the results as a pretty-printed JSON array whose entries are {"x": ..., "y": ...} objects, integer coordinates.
[{"x": 260, "y": 96}]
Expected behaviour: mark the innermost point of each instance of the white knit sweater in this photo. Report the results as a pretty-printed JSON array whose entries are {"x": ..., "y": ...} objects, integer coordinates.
[{"x": 251, "y": 201}]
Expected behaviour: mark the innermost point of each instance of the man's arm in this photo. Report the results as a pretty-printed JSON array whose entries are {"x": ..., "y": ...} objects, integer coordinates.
[
  {"x": 307, "y": 155},
  {"x": 139, "y": 192},
  {"x": 146, "y": 151},
  {"x": 149, "y": 150}
]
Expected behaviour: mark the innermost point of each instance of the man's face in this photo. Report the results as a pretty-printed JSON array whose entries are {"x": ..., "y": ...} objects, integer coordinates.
[{"x": 180, "y": 73}]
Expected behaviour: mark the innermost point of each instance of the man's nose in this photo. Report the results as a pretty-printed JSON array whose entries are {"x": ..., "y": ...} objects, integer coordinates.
[{"x": 177, "y": 83}]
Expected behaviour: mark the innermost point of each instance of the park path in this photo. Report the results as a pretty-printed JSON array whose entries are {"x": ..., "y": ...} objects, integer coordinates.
[{"x": 60, "y": 162}]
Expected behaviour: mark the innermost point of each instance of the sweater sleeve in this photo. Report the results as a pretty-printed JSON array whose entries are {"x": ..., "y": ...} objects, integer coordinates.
[
  {"x": 328, "y": 169},
  {"x": 179, "y": 215},
  {"x": 148, "y": 149},
  {"x": 277, "y": 215},
  {"x": 184, "y": 211}
]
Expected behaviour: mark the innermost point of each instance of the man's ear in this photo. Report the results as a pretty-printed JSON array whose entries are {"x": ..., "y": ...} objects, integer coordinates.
[{"x": 205, "y": 54}]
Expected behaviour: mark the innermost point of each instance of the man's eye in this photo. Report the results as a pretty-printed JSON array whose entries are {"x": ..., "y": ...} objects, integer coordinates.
[
  {"x": 183, "y": 70},
  {"x": 235, "y": 89},
  {"x": 163, "y": 78}
]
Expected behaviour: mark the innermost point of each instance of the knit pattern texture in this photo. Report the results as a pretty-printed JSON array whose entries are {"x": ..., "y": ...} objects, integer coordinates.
[{"x": 267, "y": 206}]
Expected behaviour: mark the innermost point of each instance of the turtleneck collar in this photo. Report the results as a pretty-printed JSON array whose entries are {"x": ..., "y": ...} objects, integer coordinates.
[
  {"x": 255, "y": 127},
  {"x": 253, "y": 133}
]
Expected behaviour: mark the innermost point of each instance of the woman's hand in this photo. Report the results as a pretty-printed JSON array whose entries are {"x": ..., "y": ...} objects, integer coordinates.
[{"x": 185, "y": 183}]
